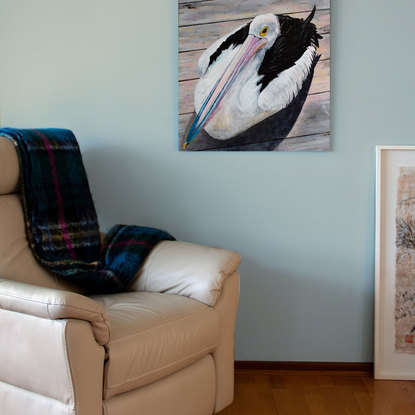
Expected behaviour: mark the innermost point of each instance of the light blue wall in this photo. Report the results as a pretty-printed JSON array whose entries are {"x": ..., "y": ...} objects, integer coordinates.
[{"x": 303, "y": 222}]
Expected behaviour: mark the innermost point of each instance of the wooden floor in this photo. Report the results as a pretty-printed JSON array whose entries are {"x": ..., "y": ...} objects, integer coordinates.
[{"x": 319, "y": 393}]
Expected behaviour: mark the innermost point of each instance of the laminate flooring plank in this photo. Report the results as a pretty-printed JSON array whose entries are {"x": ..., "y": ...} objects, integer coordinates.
[
  {"x": 302, "y": 393},
  {"x": 254, "y": 395},
  {"x": 289, "y": 400}
]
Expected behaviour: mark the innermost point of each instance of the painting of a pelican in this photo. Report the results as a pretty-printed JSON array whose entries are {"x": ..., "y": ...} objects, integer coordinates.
[{"x": 252, "y": 83}]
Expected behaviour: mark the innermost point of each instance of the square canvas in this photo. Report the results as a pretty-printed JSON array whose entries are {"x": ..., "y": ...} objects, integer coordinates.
[{"x": 254, "y": 76}]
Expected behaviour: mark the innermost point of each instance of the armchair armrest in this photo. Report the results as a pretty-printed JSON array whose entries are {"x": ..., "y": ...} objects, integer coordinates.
[
  {"x": 190, "y": 270},
  {"x": 54, "y": 304}
]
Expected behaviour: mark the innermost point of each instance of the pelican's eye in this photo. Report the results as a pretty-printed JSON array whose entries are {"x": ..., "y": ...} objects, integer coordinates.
[{"x": 264, "y": 31}]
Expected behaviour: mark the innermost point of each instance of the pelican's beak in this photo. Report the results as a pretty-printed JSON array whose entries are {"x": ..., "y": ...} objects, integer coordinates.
[{"x": 221, "y": 91}]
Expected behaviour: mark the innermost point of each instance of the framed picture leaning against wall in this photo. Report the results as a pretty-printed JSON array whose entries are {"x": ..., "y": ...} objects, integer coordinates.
[{"x": 395, "y": 263}]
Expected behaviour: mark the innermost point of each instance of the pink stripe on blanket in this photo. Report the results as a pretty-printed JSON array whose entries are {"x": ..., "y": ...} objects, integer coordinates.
[{"x": 61, "y": 213}]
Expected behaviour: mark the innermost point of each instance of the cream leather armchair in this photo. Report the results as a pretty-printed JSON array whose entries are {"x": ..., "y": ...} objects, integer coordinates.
[{"x": 165, "y": 347}]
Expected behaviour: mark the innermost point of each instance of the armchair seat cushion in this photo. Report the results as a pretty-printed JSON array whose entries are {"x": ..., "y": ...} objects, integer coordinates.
[{"x": 154, "y": 335}]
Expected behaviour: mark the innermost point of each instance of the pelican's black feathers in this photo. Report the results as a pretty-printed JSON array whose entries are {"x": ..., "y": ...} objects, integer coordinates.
[
  {"x": 296, "y": 35},
  {"x": 234, "y": 39}
]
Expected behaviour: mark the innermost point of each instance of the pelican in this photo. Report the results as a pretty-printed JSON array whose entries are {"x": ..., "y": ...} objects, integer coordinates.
[{"x": 252, "y": 73}]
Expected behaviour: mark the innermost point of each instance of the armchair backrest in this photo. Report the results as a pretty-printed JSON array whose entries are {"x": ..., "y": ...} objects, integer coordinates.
[{"x": 16, "y": 259}]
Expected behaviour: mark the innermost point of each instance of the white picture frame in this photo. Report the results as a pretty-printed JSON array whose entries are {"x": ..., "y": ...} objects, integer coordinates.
[{"x": 389, "y": 364}]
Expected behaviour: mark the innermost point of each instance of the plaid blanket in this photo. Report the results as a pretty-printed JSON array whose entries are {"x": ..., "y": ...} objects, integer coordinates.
[{"x": 61, "y": 221}]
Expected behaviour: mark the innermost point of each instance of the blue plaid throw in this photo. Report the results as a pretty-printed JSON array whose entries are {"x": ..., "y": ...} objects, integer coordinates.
[{"x": 61, "y": 221}]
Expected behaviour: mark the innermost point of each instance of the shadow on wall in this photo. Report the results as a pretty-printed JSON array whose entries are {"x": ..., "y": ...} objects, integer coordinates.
[{"x": 135, "y": 189}]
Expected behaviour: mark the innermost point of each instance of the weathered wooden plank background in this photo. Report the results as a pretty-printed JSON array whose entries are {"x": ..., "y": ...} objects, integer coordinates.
[
  {"x": 201, "y": 22},
  {"x": 203, "y": 35},
  {"x": 211, "y": 11}
]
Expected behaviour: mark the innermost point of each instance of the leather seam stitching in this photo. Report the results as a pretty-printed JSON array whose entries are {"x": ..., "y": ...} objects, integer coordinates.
[
  {"x": 159, "y": 325},
  {"x": 206, "y": 349},
  {"x": 155, "y": 254},
  {"x": 65, "y": 349},
  {"x": 28, "y": 299},
  {"x": 60, "y": 403},
  {"x": 48, "y": 304}
]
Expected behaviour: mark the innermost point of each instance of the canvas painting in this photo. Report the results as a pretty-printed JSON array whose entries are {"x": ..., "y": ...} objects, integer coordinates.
[
  {"x": 405, "y": 262},
  {"x": 254, "y": 76}
]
